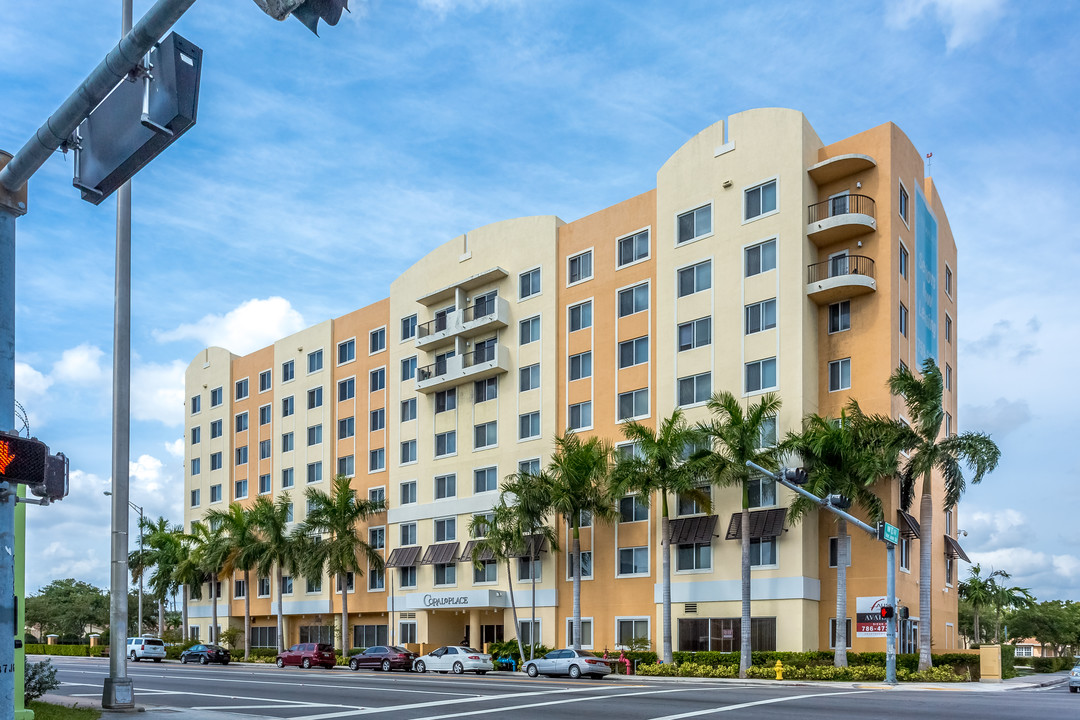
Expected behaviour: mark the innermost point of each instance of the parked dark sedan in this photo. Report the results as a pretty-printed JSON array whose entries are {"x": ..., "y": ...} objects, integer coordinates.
[
  {"x": 206, "y": 654},
  {"x": 383, "y": 657},
  {"x": 307, "y": 654}
]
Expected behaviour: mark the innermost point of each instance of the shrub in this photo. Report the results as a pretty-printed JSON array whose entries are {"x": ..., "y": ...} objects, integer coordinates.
[
  {"x": 40, "y": 679},
  {"x": 658, "y": 670},
  {"x": 934, "y": 674},
  {"x": 509, "y": 649}
]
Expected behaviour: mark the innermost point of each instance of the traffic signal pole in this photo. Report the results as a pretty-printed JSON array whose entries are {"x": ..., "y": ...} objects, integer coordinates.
[
  {"x": 890, "y": 562},
  {"x": 7, "y": 504}
]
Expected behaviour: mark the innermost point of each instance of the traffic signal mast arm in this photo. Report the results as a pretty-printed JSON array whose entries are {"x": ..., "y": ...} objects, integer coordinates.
[{"x": 823, "y": 502}]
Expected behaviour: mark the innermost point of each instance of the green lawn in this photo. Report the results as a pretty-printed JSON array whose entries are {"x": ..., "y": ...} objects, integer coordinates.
[{"x": 48, "y": 711}]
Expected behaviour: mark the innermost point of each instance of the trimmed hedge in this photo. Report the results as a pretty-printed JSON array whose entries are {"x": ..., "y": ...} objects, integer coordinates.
[
  {"x": 864, "y": 673},
  {"x": 962, "y": 665},
  {"x": 1051, "y": 664},
  {"x": 64, "y": 650}
]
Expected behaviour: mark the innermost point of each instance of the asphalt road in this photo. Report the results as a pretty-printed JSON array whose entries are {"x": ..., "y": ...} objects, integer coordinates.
[{"x": 329, "y": 694}]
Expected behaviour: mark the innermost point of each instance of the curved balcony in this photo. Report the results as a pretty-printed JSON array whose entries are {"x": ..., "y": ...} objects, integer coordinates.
[
  {"x": 840, "y": 278},
  {"x": 480, "y": 364},
  {"x": 840, "y": 166},
  {"x": 840, "y": 218},
  {"x": 485, "y": 316}
]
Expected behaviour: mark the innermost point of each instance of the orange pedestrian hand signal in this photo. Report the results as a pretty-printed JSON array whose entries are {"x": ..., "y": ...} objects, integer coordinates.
[{"x": 6, "y": 456}]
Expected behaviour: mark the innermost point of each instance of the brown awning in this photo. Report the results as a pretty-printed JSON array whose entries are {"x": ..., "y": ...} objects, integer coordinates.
[
  {"x": 909, "y": 526},
  {"x": 404, "y": 556},
  {"x": 534, "y": 545},
  {"x": 700, "y": 529},
  {"x": 763, "y": 524},
  {"x": 466, "y": 554},
  {"x": 441, "y": 554},
  {"x": 953, "y": 549}
]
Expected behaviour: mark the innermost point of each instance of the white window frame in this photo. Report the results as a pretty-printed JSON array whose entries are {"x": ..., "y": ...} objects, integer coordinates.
[
  {"x": 579, "y": 307},
  {"x": 764, "y": 388},
  {"x": 413, "y": 322},
  {"x": 635, "y": 619},
  {"x": 697, "y": 236},
  {"x": 322, "y": 362},
  {"x": 903, "y": 203},
  {"x": 760, "y": 305},
  {"x": 372, "y": 335},
  {"x": 446, "y": 435},
  {"x": 582, "y": 359},
  {"x": 634, "y": 342},
  {"x": 632, "y": 236},
  {"x": 618, "y": 561},
  {"x": 539, "y": 432},
  {"x": 342, "y": 344},
  {"x": 569, "y": 410},
  {"x": 415, "y": 453},
  {"x": 539, "y": 283},
  {"x": 950, "y": 280},
  {"x": 839, "y": 362},
  {"x": 776, "y": 552},
  {"x": 834, "y": 541},
  {"x": 774, "y": 179},
  {"x": 570, "y": 631},
  {"x": 694, "y": 325},
  {"x": 903, "y": 260},
  {"x": 485, "y": 469},
  {"x": 696, "y": 570},
  {"x": 578, "y": 256},
  {"x": 449, "y": 481},
  {"x": 631, "y": 288},
  {"x": 692, "y": 268},
  {"x": 828, "y": 317},
  {"x": 696, "y": 378},
  {"x": 569, "y": 564},
  {"x": 530, "y": 369},
  {"x": 758, "y": 246}
]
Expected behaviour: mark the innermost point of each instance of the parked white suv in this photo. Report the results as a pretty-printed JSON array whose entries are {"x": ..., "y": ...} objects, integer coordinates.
[{"x": 145, "y": 647}]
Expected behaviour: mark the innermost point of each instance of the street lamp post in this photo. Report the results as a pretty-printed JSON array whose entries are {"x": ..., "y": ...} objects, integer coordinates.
[{"x": 139, "y": 510}]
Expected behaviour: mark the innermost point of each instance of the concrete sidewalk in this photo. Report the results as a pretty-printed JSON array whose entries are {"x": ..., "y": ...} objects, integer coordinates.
[{"x": 143, "y": 711}]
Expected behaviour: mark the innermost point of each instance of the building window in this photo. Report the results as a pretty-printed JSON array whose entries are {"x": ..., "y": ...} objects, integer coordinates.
[
  {"x": 376, "y": 460},
  {"x": 761, "y": 200},
  {"x": 760, "y": 258},
  {"x": 264, "y": 449},
  {"x": 948, "y": 376},
  {"x": 196, "y": 435},
  {"x": 196, "y": 466},
  {"x": 288, "y": 370},
  {"x": 287, "y": 478},
  {"x": 215, "y": 429},
  {"x": 632, "y": 509},
  {"x": 377, "y": 538},
  {"x": 286, "y": 585},
  {"x": 529, "y": 570},
  {"x": 948, "y": 281},
  {"x": 634, "y": 352},
  {"x": 346, "y": 352},
  {"x": 485, "y": 480},
  {"x": 903, "y": 261},
  {"x": 693, "y": 556},
  {"x": 488, "y": 572},
  {"x": 760, "y": 316},
  {"x": 902, "y": 204},
  {"x": 314, "y": 398},
  {"x": 529, "y": 284},
  {"x": 264, "y": 415},
  {"x": 948, "y": 425},
  {"x": 586, "y": 563},
  {"x": 377, "y": 340},
  {"x": 832, "y": 632},
  {"x": 485, "y": 435},
  {"x": 288, "y": 407},
  {"x": 215, "y": 493},
  {"x": 350, "y": 583},
  {"x": 840, "y": 316},
  {"x": 581, "y": 316},
  {"x": 903, "y": 319},
  {"x": 314, "y": 361},
  {"x": 689, "y": 506},
  {"x": 529, "y": 330},
  {"x": 633, "y": 248},
  {"x": 408, "y": 327},
  {"x": 760, "y": 375},
  {"x": 579, "y": 268},
  {"x": 529, "y": 377},
  {"x": 695, "y": 334},
  {"x": 445, "y": 400},
  {"x": 196, "y": 404},
  {"x": 694, "y": 224},
  {"x": 263, "y": 590},
  {"x": 695, "y": 278},
  {"x": 377, "y": 419},
  {"x": 634, "y": 300},
  {"x": 834, "y": 551},
  {"x": 264, "y": 484},
  {"x": 240, "y": 488},
  {"x": 445, "y": 574},
  {"x": 840, "y": 375},
  {"x": 378, "y": 379},
  {"x": 581, "y": 415},
  {"x": 346, "y": 428},
  {"x": 346, "y": 466},
  {"x": 215, "y": 461},
  {"x": 529, "y": 425},
  {"x": 445, "y": 443},
  {"x": 408, "y": 368},
  {"x": 484, "y": 390},
  {"x": 586, "y": 633},
  {"x": 241, "y": 389},
  {"x": 314, "y": 472},
  {"x": 195, "y": 497},
  {"x": 215, "y": 397},
  {"x": 314, "y": 586},
  {"x": 242, "y": 422},
  {"x": 763, "y": 552},
  {"x": 529, "y": 467},
  {"x": 314, "y": 435},
  {"x": 948, "y": 329},
  {"x": 445, "y": 529},
  {"x": 904, "y": 549},
  {"x": 634, "y": 404},
  {"x": 346, "y": 390},
  {"x": 408, "y": 496},
  {"x": 767, "y": 437},
  {"x": 633, "y": 561},
  {"x": 761, "y": 492},
  {"x": 695, "y": 389},
  {"x": 408, "y": 409},
  {"x": 581, "y": 366},
  {"x": 408, "y": 452}
]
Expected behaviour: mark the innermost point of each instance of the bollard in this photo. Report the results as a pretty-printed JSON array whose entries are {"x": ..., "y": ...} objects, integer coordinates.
[{"x": 779, "y": 670}]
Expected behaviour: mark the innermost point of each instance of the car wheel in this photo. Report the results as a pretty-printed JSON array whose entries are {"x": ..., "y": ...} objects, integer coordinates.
[
  {"x": 204, "y": 660},
  {"x": 281, "y": 662},
  {"x": 134, "y": 657},
  {"x": 1074, "y": 689},
  {"x": 386, "y": 666},
  {"x": 575, "y": 672},
  {"x": 531, "y": 670},
  {"x": 183, "y": 659},
  {"x": 458, "y": 668},
  {"x": 354, "y": 665},
  {"x": 481, "y": 672},
  {"x": 420, "y": 667},
  {"x": 306, "y": 663}
]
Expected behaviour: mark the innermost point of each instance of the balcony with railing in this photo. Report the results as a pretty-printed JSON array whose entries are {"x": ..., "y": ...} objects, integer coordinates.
[
  {"x": 840, "y": 278},
  {"x": 840, "y": 218},
  {"x": 486, "y": 361},
  {"x": 487, "y": 315}
]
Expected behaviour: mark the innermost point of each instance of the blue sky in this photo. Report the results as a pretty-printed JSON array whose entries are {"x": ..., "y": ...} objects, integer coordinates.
[{"x": 320, "y": 168}]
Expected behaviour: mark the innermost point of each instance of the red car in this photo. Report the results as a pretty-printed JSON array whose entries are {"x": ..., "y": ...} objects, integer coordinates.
[
  {"x": 307, "y": 654},
  {"x": 384, "y": 657}
]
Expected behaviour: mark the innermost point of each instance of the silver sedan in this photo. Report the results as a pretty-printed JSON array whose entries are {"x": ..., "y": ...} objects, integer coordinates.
[{"x": 568, "y": 661}]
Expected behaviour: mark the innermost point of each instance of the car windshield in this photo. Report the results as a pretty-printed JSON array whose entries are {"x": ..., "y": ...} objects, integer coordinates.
[
  {"x": 584, "y": 653},
  {"x": 470, "y": 650},
  {"x": 399, "y": 649}
]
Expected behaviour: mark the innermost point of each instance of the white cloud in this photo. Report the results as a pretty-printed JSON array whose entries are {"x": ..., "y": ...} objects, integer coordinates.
[
  {"x": 998, "y": 419},
  {"x": 252, "y": 325},
  {"x": 30, "y": 383},
  {"x": 147, "y": 472},
  {"x": 80, "y": 365},
  {"x": 997, "y": 529},
  {"x": 157, "y": 392},
  {"x": 965, "y": 21},
  {"x": 175, "y": 448}
]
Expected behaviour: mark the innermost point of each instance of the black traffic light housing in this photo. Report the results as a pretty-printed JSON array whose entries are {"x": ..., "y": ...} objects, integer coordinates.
[
  {"x": 309, "y": 12},
  {"x": 841, "y": 502},
  {"x": 903, "y": 613},
  {"x": 796, "y": 476},
  {"x": 887, "y": 611},
  {"x": 22, "y": 460}
]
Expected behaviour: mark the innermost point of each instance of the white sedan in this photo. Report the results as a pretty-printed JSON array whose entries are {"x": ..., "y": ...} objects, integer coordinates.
[{"x": 457, "y": 659}]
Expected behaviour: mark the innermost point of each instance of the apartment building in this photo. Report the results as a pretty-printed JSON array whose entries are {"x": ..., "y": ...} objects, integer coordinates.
[{"x": 762, "y": 261}]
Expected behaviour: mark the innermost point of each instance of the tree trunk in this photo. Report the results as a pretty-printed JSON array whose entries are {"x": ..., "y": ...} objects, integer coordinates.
[
  {"x": 344, "y": 616},
  {"x": 183, "y": 611},
  {"x": 926, "y": 521},
  {"x": 161, "y": 617},
  {"x": 744, "y": 625},
  {"x": 213, "y": 609},
  {"x": 247, "y": 615},
  {"x": 975, "y": 612},
  {"x": 575, "y": 548},
  {"x": 840, "y": 654},
  {"x": 280, "y": 618},
  {"x": 665, "y": 551},
  {"x": 513, "y": 609}
]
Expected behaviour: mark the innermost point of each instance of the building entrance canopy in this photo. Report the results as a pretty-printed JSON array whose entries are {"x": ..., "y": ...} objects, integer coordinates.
[{"x": 457, "y": 600}]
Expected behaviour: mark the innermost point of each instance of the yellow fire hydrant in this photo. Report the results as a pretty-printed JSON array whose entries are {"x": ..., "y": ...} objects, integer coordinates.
[{"x": 779, "y": 670}]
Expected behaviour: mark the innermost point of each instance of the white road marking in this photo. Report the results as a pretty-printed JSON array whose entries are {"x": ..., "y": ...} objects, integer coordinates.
[{"x": 755, "y": 703}]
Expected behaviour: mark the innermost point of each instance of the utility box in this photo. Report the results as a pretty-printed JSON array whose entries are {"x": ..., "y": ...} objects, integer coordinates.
[
  {"x": 138, "y": 120},
  {"x": 990, "y": 663}
]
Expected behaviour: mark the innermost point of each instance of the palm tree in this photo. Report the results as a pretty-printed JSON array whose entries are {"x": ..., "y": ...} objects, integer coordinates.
[
  {"x": 1005, "y": 598},
  {"x": 188, "y": 576},
  {"x": 501, "y": 536},
  {"x": 979, "y": 591},
  {"x": 162, "y": 551},
  {"x": 576, "y": 483},
  {"x": 736, "y": 436},
  {"x": 659, "y": 464},
  {"x": 210, "y": 549},
  {"x": 338, "y": 516},
  {"x": 927, "y": 453},
  {"x": 845, "y": 456},
  {"x": 526, "y": 495},
  {"x": 241, "y": 547},
  {"x": 278, "y": 549}
]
